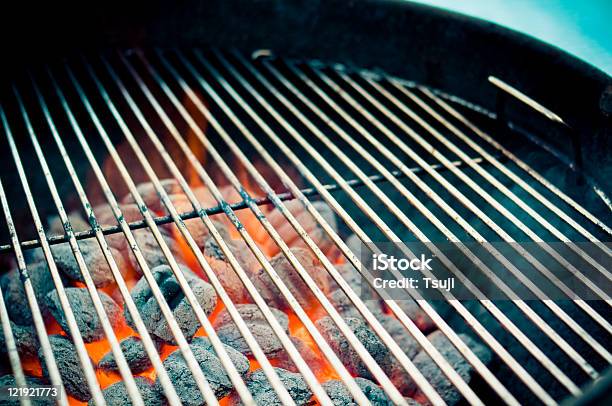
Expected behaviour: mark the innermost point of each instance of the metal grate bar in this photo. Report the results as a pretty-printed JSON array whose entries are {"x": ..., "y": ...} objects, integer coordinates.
[
  {"x": 336, "y": 107},
  {"x": 505, "y": 170},
  {"x": 527, "y": 310},
  {"x": 161, "y": 220},
  {"x": 498, "y": 185},
  {"x": 312, "y": 330},
  {"x": 201, "y": 381},
  {"x": 525, "y": 376},
  {"x": 194, "y": 201}
]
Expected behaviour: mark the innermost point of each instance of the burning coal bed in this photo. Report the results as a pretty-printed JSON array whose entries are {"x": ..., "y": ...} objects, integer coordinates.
[{"x": 103, "y": 360}]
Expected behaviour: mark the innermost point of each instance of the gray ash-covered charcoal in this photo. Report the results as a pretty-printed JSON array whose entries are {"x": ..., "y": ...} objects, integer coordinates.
[
  {"x": 117, "y": 394},
  {"x": 240, "y": 361},
  {"x": 94, "y": 258},
  {"x": 70, "y": 368},
  {"x": 151, "y": 250},
  {"x": 416, "y": 314},
  {"x": 9, "y": 380},
  {"x": 25, "y": 339},
  {"x": 407, "y": 343},
  {"x": 436, "y": 377},
  {"x": 251, "y": 315},
  {"x": 85, "y": 314},
  {"x": 345, "y": 307},
  {"x": 14, "y": 292},
  {"x": 360, "y": 285},
  {"x": 135, "y": 354},
  {"x": 341, "y": 396},
  {"x": 106, "y": 218},
  {"x": 238, "y": 248},
  {"x": 229, "y": 279},
  {"x": 343, "y": 349},
  {"x": 211, "y": 366},
  {"x": 308, "y": 223},
  {"x": 264, "y": 394},
  {"x": 181, "y": 309},
  {"x": 264, "y": 335},
  {"x": 400, "y": 334},
  {"x": 292, "y": 280},
  {"x": 312, "y": 359}
]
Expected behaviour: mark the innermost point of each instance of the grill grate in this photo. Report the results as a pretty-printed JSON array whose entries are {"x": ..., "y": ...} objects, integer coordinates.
[{"x": 263, "y": 108}]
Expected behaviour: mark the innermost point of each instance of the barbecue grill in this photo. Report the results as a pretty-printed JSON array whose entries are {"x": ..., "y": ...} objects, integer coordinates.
[{"x": 190, "y": 216}]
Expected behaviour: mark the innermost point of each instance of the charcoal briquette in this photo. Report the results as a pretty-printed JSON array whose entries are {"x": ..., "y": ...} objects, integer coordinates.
[
  {"x": 251, "y": 314},
  {"x": 25, "y": 339},
  {"x": 347, "y": 354},
  {"x": 341, "y": 396},
  {"x": 86, "y": 317},
  {"x": 69, "y": 367},
  {"x": 312, "y": 359},
  {"x": 14, "y": 292},
  {"x": 229, "y": 279},
  {"x": 135, "y": 354},
  {"x": 94, "y": 258},
  {"x": 211, "y": 366},
  {"x": 238, "y": 248},
  {"x": 151, "y": 250},
  {"x": 417, "y": 315},
  {"x": 240, "y": 361},
  {"x": 117, "y": 394},
  {"x": 436, "y": 377},
  {"x": 264, "y": 335},
  {"x": 149, "y": 194},
  {"x": 196, "y": 227},
  {"x": 264, "y": 394},
  {"x": 292, "y": 280},
  {"x": 308, "y": 223},
  {"x": 181, "y": 309}
]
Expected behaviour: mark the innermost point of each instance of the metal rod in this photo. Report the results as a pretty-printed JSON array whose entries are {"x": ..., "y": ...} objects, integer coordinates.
[
  {"x": 501, "y": 187},
  {"x": 229, "y": 305},
  {"x": 260, "y": 201},
  {"x": 525, "y": 167},
  {"x": 551, "y": 333},
  {"x": 498, "y": 314}
]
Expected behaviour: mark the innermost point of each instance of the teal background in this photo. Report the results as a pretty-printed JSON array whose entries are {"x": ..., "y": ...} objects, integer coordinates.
[{"x": 580, "y": 27}]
